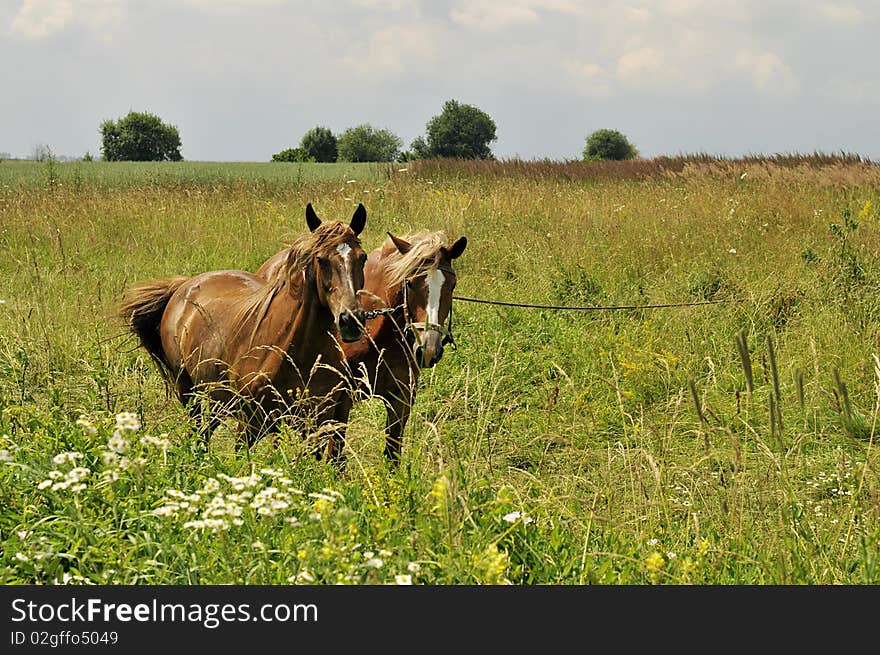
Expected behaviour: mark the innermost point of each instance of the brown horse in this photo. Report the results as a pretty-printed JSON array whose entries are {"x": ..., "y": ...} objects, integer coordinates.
[
  {"x": 408, "y": 282},
  {"x": 261, "y": 348}
]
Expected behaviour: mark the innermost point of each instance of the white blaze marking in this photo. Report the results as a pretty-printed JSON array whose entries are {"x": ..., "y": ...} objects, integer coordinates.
[
  {"x": 344, "y": 251},
  {"x": 435, "y": 286}
]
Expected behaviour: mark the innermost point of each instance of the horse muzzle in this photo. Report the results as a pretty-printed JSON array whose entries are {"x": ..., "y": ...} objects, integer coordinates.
[
  {"x": 430, "y": 350},
  {"x": 351, "y": 325}
]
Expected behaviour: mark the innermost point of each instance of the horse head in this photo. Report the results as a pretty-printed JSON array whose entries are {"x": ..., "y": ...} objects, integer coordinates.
[
  {"x": 428, "y": 300},
  {"x": 337, "y": 267}
]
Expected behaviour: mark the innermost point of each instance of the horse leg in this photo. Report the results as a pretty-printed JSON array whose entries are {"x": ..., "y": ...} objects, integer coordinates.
[
  {"x": 336, "y": 443},
  {"x": 203, "y": 427},
  {"x": 397, "y": 412}
]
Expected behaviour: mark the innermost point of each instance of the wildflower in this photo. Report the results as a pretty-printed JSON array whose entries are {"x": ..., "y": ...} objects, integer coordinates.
[
  {"x": 118, "y": 443},
  {"x": 21, "y": 557},
  {"x": 5, "y": 456},
  {"x": 374, "y": 563},
  {"x": 403, "y": 579},
  {"x": 86, "y": 424},
  {"x": 211, "y": 485},
  {"x": 413, "y": 567},
  {"x": 516, "y": 515},
  {"x": 258, "y": 545},
  {"x": 157, "y": 442},
  {"x": 439, "y": 493},
  {"x": 670, "y": 554},
  {"x": 127, "y": 421},
  {"x": 492, "y": 563},
  {"x": 44, "y": 484},
  {"x": 732, "y": 251},
  {"x": 653, "y": 542},
  {"x": 703, "y": 548},
  {"x": 384, "y": 553},
  {"x": 110, "y": 475},
  {"x": 66, "y": 458},
  {"x": 22, "y": 534},
  {"x": 654, "y": 563},
  {"x": 67, "y": 578},
  {"x": 304, "y": 576},
  {"x": 688, "y": 567}
]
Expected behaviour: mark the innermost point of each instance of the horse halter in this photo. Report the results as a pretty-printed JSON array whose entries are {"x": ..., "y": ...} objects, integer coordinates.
[{"x": 412, "y": 327}]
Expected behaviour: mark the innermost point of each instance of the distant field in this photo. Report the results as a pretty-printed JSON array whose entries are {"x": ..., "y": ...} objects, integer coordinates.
[
  {"x": 732, "y": 443},
  {"x": 115, "y": 174}
]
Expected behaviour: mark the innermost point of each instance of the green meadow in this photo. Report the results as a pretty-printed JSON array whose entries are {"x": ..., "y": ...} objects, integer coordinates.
[{"x": 724, "y": 443}]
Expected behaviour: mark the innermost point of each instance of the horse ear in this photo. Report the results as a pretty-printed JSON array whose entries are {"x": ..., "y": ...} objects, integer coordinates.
[
  {"x": 312, "y": 218},
  {"x": 402, "y": 246},
  {"x": 359, "y": 219},
  {"x": 457, "y": 248}
]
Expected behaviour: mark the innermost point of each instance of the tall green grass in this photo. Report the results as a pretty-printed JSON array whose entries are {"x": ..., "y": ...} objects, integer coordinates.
[{"x": 723, "y": 444}]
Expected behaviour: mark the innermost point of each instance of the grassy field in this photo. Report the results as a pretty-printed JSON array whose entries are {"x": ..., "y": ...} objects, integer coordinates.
[{"x": 731, "y": 443}]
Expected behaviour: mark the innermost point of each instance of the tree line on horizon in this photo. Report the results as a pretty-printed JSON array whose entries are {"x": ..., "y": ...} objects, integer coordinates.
[{"x": 459, "y": 131}]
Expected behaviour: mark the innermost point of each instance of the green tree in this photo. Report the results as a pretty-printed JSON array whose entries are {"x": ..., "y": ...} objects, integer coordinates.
[
  {"x": 365, "y": 143},
  {"x": 292, "y": 154},
  {"x": 609, "y": 144},
  {"x": 139, "y": 136},
  {"x": 320, "y": 144},
  {"x": 460, "y": 130}
]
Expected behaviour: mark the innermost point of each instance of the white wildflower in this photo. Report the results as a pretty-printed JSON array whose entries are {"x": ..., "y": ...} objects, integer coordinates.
[
  {"x": 21, "y": 557},
  {"x": 403, "y": 579},
  {"x": 413, "y": 567},
  {"x": 5, "y": 456},
  {"x": 374, "y": 563},
  {"x": 66, "y": 458},
  {"x": 118, "y": 443},
  {"x": 86, "y": 424},
  {"x": 127, "y": 421}
]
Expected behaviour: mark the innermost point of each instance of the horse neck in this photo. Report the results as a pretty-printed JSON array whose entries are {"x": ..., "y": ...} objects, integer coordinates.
[
  {"x": 387, "y": 334},
  {"x": 295, "y": 324}
]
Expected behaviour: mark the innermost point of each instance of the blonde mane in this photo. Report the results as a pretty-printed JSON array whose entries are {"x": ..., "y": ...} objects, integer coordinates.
[{"x": 421, "y": 257}]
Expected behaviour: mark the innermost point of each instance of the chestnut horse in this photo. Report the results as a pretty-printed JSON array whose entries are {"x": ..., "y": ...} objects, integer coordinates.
[
  {"x": 261, "y": 348},
  {"x": 408, "y": 284}
]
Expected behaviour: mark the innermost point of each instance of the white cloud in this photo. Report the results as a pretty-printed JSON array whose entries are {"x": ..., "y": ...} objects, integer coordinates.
[
  {"x": 768, "y": 72},
  {"x": 588, "y": 77},
  {"x": 681, "y": 7},
  {"x": 637, "y": 14},
  {"x": 841, "y": 13},
  {"x": 392, "y": 50},
  {"x": 384, "y": 5},
  {"x": 37, "y": 19},
  {"x": 233, "y": 5},
  {"x": 499, "y": 15},
  {"x": 639, "y": 63}
]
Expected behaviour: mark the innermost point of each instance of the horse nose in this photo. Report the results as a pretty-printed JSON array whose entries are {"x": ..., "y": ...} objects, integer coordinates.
[
  {"x": 350, "y": 326},
  {"x": 430, "y": 350}
]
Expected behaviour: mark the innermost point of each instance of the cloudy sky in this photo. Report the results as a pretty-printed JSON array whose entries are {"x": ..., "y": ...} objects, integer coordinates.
[{"x": 242, "y": 79}]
